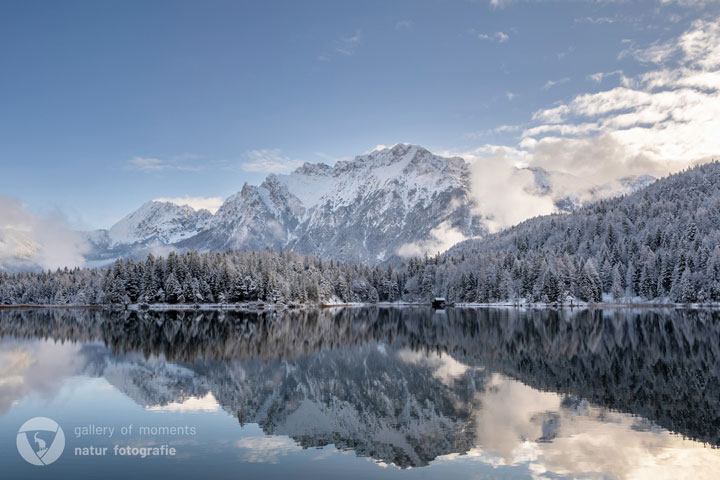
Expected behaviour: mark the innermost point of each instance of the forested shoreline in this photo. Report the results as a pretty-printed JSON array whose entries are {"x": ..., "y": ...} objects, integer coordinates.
[
  {"x": 205, "y": 278},
  {"x": 659, "y": 245}
]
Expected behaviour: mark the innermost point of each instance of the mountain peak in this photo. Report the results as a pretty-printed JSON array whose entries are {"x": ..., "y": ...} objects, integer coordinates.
[
  {"x": 364, "y": 209},
  {"x": 313, "y": 169},
  {"x": 156, "y": 220}
]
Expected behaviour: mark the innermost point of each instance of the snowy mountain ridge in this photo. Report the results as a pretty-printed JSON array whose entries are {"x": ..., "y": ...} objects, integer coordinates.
[
  {"x": 362, "y": 210},
  {"x": 370, "y": 209},
  {"x": 164, "y": 221}
]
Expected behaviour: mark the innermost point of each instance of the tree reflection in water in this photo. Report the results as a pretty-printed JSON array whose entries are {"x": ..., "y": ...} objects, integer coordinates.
[{"x": 408, "y": 385}]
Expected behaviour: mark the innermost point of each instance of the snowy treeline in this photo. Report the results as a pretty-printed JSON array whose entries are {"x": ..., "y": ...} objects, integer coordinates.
[
  {"x": 227, "y": 277},
  {"x": 660, "y": 243}
]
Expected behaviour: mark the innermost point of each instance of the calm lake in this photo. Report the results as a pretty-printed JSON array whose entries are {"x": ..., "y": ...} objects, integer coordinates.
[{"x": 362, "y": 393}]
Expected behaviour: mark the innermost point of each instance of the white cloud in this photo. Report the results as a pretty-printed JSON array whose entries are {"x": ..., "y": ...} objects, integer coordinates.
[
  {"x": 184, "y": 162},
  {"x": 485, "y": 133},
  {"x": 600, "y": 76},
  {"x": 510, "y": 96},
  {"x": 551, "y": 83},
  {"x": 500, "y": 37},
  {"x": 148, "y": 164},
  {"x": 347, "y": 45},
  {"x": 269, "y": 161},
  {"x": 500, "y": 3},
  {"x": 655, "y": 123},
  {"x": 689, "y": 3},
  {"x": 698, "y": 48},
  {"x": 441, "y": 238},
  {"x": 506, "y": 128},
  {"x": 656, "y": 53},
  {"x": 663, "y": 119},
  {"x": 505, "y": 195},
  {"x": 565, "y": 52},
  {"x": 26, "y": 238},
  {"x": 596, "y": 20},
  {"x": 343, "y": 46},
  {"x": 404, "y": 25},
  {"x": 198, "y": 203}
]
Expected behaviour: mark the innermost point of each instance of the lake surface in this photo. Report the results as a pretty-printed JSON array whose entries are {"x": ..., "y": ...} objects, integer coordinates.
[{"x": 363, "y": 393}]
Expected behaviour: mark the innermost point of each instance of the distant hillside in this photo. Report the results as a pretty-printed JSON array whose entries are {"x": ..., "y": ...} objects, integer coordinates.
[{"x": 659, "y": 243}]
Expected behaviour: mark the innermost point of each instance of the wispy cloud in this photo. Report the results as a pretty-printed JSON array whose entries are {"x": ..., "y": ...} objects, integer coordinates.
[
  {"x": 600, "y": 76},
  {"x": 488, "y": 132},
  {"x": 500, "y": 3},
  {"x": 148, "y": 164},
  {"x": 596, "y": 20},
  {"x": 404, "y": 25},
  {"x": 506, "y": 128},
  {"x": 342, "y": 47},
  {"x": 499, "y": 37},
  {"x": 658, "y": 52},
  {"x": 697, "y": 48},
  {"x": 551, "y": 83},
  {"x": 269, "y": 161},
  {"x": 565, "y": 53},
  {"x": 208, "y": 203},
  {"x": 184, "y": 162},
  {"x": 510, "y": 96},
  {"x": 689, "y": 3}
]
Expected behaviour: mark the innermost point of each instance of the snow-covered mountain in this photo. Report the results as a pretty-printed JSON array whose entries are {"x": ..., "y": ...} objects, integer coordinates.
[
  {"x": 159, "y": 221},
  {"x": 374, "y": 205},
  {"x": 362, "y": 210},
  {"x": 395, "y": 201}
]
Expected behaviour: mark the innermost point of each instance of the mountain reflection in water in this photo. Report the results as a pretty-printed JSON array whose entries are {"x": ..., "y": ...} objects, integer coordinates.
[{"x": 589, "y": 392}]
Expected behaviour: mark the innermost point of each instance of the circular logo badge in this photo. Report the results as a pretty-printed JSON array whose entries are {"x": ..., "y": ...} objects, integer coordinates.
[{"x": 40, "y": 441}]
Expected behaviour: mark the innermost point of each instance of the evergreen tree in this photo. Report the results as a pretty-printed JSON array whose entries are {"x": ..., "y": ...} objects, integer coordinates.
[{"x": 173, "y": 289}]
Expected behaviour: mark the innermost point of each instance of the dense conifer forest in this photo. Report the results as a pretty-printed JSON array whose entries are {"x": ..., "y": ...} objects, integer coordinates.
[{"x": 659, "y": 244}]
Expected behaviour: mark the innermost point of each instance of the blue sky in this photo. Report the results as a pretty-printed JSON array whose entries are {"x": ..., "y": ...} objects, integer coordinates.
[{"x": 108, "y": 104}]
